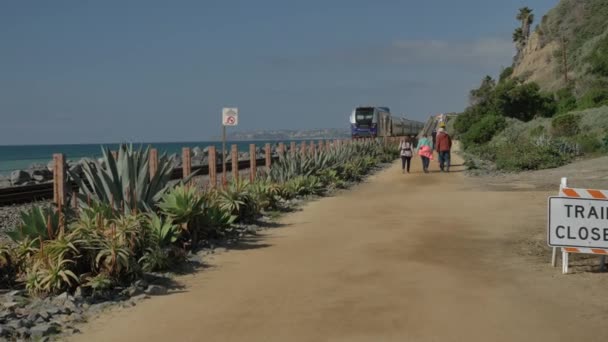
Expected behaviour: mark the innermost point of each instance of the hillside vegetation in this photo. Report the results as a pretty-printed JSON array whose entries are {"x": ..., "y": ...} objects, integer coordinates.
[{"x": 537, "y": 115}]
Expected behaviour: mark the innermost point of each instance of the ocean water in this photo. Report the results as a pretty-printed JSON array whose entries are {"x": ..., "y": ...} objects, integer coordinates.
[{"x": 20, "y": 157}]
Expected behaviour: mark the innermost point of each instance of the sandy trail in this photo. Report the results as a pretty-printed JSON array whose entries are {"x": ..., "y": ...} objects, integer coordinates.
[{"x": 418, "y": 257}]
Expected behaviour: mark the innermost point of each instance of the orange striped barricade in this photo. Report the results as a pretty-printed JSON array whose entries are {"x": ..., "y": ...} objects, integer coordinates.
[{"x": 590, "y": 243}]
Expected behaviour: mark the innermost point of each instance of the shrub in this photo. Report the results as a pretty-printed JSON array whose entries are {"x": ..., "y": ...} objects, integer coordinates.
[
  {"x": 522, "y": 101},
  {"x": 566, "y": 101},
  {"x": 482, "y": 131},
  {"x": 505, "y": 74},
  {"x": 527, "y": 156},
  {"x": 566, "y": 124},
  {"x": 124, "y": 180},
  {"x": 588, "y": 143},
  {"x": 538, "y": 131},
  {"x": 36, "y": 223},
  {"x": 594, "y": 97}
]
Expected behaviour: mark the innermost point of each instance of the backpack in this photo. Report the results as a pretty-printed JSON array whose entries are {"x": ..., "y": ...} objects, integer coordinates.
[{"x": 406, "y": 150}]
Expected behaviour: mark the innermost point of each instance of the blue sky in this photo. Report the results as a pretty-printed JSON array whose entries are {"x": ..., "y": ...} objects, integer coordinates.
[{"x": 106, "y": 71}]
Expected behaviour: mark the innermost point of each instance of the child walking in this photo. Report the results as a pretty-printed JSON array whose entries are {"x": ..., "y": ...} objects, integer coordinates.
[{"x": 406, "y": 153}]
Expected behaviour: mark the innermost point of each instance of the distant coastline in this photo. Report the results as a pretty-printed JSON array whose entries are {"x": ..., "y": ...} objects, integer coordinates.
[{"x": 287, "y": 134}]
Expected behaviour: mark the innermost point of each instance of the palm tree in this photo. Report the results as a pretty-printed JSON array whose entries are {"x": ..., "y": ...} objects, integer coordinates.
[
  {"x": 518, "y": 36},
  {"x": 526, "y": 17}
]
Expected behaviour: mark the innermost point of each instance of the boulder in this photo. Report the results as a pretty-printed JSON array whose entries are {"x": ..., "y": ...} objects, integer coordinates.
[
  {"x": 19, "y": 177},
  {"x": 41, "y": 175},
  {"x": 197, "y": 151}
]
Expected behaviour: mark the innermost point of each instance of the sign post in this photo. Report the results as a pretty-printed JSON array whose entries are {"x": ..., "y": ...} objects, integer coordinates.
[
  {"x": 578, "y": 223},
  {"x": 230, "y": 117}
]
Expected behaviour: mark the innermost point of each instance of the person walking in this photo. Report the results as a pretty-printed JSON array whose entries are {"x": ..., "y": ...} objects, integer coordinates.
[
  {"x": 443, "y": 147},
  {"x": 425, "y": 151},
  {"x": 406, "y": 149}
]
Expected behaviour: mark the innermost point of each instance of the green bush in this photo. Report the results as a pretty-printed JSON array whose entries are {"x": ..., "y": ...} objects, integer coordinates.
[
  {"x": 538, "y": 131},
  {"x": 528, "y": 156},
  {"x": 566, "y": 101},
  {"x": 522, "y": 101},
  {"x": 482, "y": 131},
  {"x": 505, "y": 74},
  {"x": 594, "y": 97},
  {"x": 566, "y": 125},
  {"x": 588, "y": 143}
]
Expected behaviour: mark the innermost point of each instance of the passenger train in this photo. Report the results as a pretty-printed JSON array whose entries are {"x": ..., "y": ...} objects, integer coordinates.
[{"x": 372, "y": 122}]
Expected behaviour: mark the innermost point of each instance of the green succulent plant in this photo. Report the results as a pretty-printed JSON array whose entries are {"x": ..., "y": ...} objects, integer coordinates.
[
  {"x": 36, "y": 223},
  {"x": 124, "y": 181}
]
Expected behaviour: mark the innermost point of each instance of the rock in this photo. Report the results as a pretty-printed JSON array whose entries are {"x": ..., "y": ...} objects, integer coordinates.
[
  {"x": 134, "y": 291},
  {"x": 197, "y": 151},
  {"x": 141, "y": 284},
  {"x": 6, "y": 331},
  {"x": 23, "y": 333},
  {"x": 78, "y": 295},
  {"x": 19, "y": 177},
  {"x": 41, "y": 175},
  {"x": 6, "y": 315},
  {"x": 43, "y": 330},
  {"x": 10, "y": 304},
  {"x": 76, "y": 318},
  {"x": 140, "y": 297},
  {"x": 156, "y": 290}
]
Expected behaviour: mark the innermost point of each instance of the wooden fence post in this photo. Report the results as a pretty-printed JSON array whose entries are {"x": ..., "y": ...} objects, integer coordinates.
[
  {"x": 293, "y": 148},
  {"x": 235, "y": 162},
  {"x": 252, "y": 162},
  {"x": 268, "y": 154},
  {"x": 312, "y": 147},
  {"x": 153, "y": 162},
  {"x": 212, "y": 162},
  {"x": 59, "y": 179},
  {"x": 186, "y": 162},
  {"x": 321, "y": 146},
  {"x": 281, "y": 149},
  {"x": 303, "y": 148}
]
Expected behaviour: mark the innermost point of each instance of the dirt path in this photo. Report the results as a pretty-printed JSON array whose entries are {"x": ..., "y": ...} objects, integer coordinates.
[{"x": 400, "y": 258}]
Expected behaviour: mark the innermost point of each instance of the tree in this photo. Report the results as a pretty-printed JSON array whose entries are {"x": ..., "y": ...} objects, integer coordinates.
[
  {"x": 518, "y": 36},
  {"x": 526, "y": 17},
  {"x": 482, "y": 95}
]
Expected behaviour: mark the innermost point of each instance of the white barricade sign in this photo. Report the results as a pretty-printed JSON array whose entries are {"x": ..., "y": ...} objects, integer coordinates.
[{"x": 578, "y": 223}]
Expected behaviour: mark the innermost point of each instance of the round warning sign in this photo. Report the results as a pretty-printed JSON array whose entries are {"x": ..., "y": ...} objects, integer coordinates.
[{"x": 230, "y": 116}]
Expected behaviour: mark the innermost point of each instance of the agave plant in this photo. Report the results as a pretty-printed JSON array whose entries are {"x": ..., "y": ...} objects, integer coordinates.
[
  {"x": 266, "y": 193},
  {"x": 8, "y": 269},
  {"x": 163, "y": 232},
  {"x": 238, "y": 200},
  {"x": 124, "y": 181},
  {"x": 61, "y": 247},
  {"x": 51, "y": 276},
  {"x": 113, "y": 257},
  {"x": 183, "y": 204},
  {"x": 98, "y": 283},
  {"x": 36, "y": 223}
]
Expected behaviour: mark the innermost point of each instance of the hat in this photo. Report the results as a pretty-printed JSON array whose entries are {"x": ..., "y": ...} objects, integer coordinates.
[{"x": 442, "y": 124}]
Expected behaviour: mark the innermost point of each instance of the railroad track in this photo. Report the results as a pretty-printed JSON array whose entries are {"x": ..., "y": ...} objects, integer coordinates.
[{"x": 37, "y": 192}]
